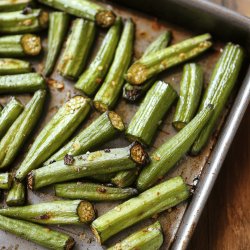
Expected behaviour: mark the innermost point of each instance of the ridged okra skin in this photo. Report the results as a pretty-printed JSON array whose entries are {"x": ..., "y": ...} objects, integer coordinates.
[
  {"x": 125, "y": 178},
  {"x": 58, "y": 24},
  {"x": 42, "y": 236},
  {"x": 222, "y": 82},
  {"x": 10, "y": 66},
  {"x": 20, "y": 45},
  {"x": 20, "y": 130},
  {"x": 154, "y": 63},
  {"x": 148, "y": 238},
  {"x": 54, "y": 134},
  {"x": 148, "y": 117},
  {"x": 110, "y": 90},
  {"x": 17, "y": 194},
  {"x": 18, "y": 22},
  {"x": 55, "y": 212},
  {"x": 78, "y": 47},
  {"x": 190, "y": 92},
  {"x": 5, "y": 181},
  {"x": 169, "y": 153},
  {"x": 85, "y": 9},
  {"x": 21, "y": 83},
  {"x": 103, "y": 129},
  {"x": 99, "y": 162},
  {"x": 133, "y": 93},
  {"x": 93, "y": 192},
  {"x": 9, "y": 114},
  {"x": 151, "y": 202},
  {"x": 92, "y": 78},
  {"x": 10, "y": 5}
]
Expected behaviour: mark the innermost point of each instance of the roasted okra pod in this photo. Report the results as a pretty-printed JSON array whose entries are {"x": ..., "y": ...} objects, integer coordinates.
[
  {"x": 55, "y": 133},
  {"x": 92, "y": 78},
  {"x": 58, "y": 24},
  {"x": 153, "y": 201},
  {"x": 45, "y": 237},
  {"x": 222, "y": 82},
  {"x": 5, "y": 181},
  {"x": 16, "y": 195},
  {"x": 103, "y": 129},
  {"x": 190, "y": 93},
  {"x": 85, "y": 9},
  {"x": 10, "y": 66},
  {"x": 148, "y": 117},
  {"x": 9, "y": 114},
  {"x": 18, "y": 133},
  {"x": 99, "y": 162},
  {"x": 125, "y": 178},
  {"x": 154, "y": 63},
  {"x": 109, "y": 92},
  {"x": 77, "y": 49},
  {"x": 169, "y": 153},
  {"x": 10, "y": 5},
  {"x": 18, "y": 22}
]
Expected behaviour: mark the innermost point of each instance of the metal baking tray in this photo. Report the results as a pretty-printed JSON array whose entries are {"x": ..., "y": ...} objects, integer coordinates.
[{"x": 185, "y": 19}]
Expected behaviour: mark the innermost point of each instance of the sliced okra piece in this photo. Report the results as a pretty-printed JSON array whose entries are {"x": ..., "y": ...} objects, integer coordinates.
[
  {"x": 5, "y": 181},
  {"x": 16, "y": 195},
  {"x": 125, "y": 178},
  {"x": 10, "y": 66}
]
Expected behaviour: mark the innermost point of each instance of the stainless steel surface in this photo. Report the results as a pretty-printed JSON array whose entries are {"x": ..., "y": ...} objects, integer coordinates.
[{"x": 190, "y": 167}]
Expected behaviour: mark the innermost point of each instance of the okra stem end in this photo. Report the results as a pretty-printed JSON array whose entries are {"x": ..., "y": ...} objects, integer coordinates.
[
  {"x": 86, "y": 212},
  {"x": 31, "y": 44},
  {"x": 138, "y": 154},
  {"x": 44, "y": 19},
  {"x": 105, "y": 18},
  {"x": 116, "y": 121}
]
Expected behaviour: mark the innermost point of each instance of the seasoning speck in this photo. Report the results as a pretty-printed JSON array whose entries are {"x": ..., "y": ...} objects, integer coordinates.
[{"x": 68, "y": 159}]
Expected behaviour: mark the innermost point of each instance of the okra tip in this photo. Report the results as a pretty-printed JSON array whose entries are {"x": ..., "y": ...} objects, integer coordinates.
[
  {"x": 31, "y": 44},
  {"x": 86, "y": 212},
  {"x": 116, "y": 120},
  {"x": 138, "y": 154},
  {"x": 105, "y": 18}
]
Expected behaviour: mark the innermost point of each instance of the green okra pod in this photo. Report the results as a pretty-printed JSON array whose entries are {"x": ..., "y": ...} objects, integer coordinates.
[
  {"x": 10, "y": 5},
  {"x": 55, "y": 212},
  {"x": 148, "y": 117},
  {"x": 20, "y": 45},
  {"x": 109, "y": 92},
  {"x": 92, "y": 78},
  {"x": 9, "y": 114},
  {"x": 169, "y": 153},
  {"x": 102, "y": 178},
  {"x": 55, "y": 133},
  {"x": 45, "y": 237},
  {"x": 10, "y": 66},
  {"x": 151, "y": 202},
  {"x": 125, "y": 178},
  {"x": 190, "y": 92},
  {"x": 16, "y": 195},
  {"x": 154, "y": 63},
  {"x": 222, "y": 82},
  {"x": 133, "y": 93},
  {"x": 76, "y": 52},
  {"x": 18, "y": 22},
  {"x": 21, "y": 83},
  {"x": 103, "y": 129},
  {"x": 58, "y": 24},
  {"x": 18, "y": 133},
  {"x": 148, "y": 238},
  {"x": 93, "y": 192},
  {"x": 5, "y": 181},
  {"x": 99, "y": 162},
  {"x": 85, "y": 9}
]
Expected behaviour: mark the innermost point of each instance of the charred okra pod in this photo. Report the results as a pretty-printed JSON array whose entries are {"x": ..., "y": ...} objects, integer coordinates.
[
  {"x": 55, "y": 212},
  {"x": 125, "y": 178},
  {"x": 103, "y": 129},
  {"x": 20, "y": 45},
  {"x": 222, "y": 82},
  {"x": 134, "y": 92},
  {"x": 190, "y": 93},
  {"x": 148, "y": 117},
  {"x": 151, "y": 202},
  {"x": 9, "y": 114},
  {"x": 16, "y": 195},
  {"x": 21, "y": 83},
  {"x": 148, "y": 238},
  {"x": 18, "y": 133},
  {"x": 85, "y": 9},
  {"x": 168, "y": 154},
  {"x": 18, "y": 22},
  {"x": 58, "y": 24},
  {"x": 154, "y": 63},
  {"x": 5, "y": 181},
  {"x": 77, "y": 49},
  {"x": 92, "y": 78},
  {"x": 55, "y": 133},
  {"x": 10, "y": 5},
  {"x": 99, "y": 162},
  {"x": 45, "y": 237},
  {"x": 93, "y": 192},
  {"x": 9, "y": 66},
  {"x": 109, "y": 92}
]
